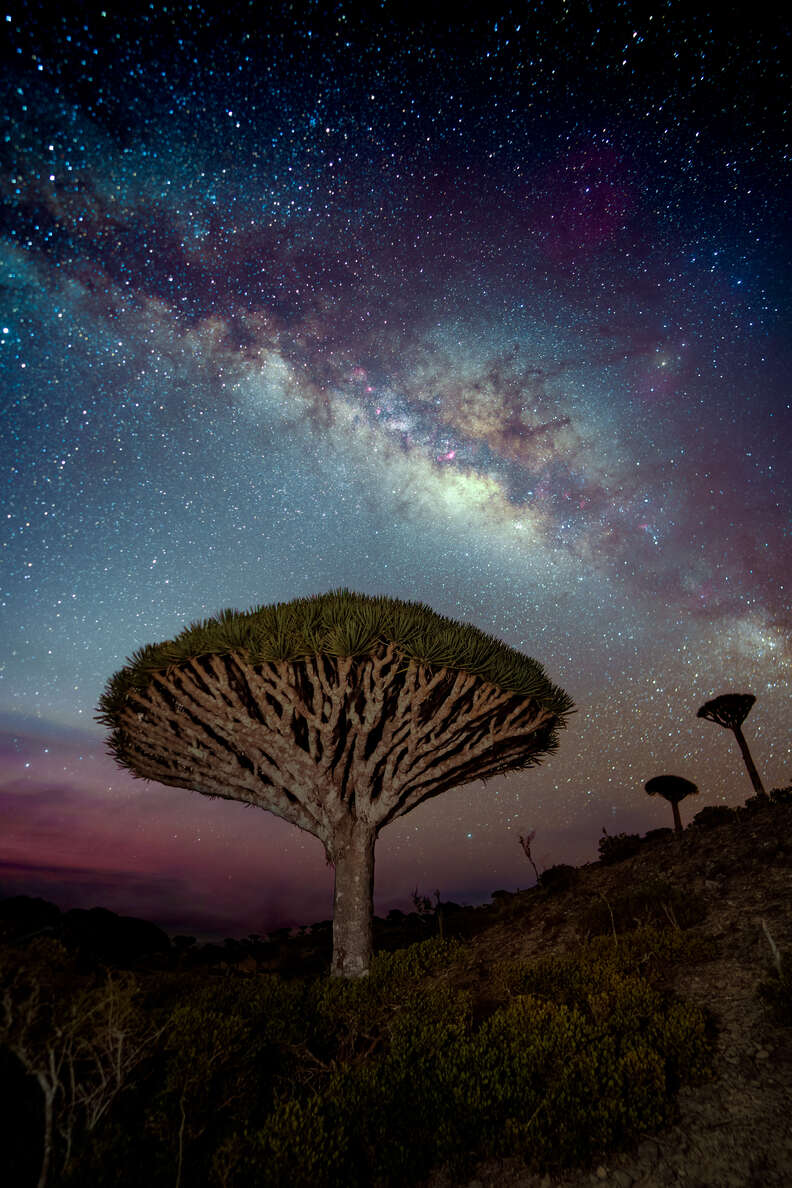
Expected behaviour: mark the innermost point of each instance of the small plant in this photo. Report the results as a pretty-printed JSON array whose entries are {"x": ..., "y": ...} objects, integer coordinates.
[
  {"x": 525, "y": 842},
  {"x": 617, "y": 847},
  {"x": 656, "y": 902},
  {"x": 426, "y": 911},
  {"x": 557, "y": 878},
  {"x": 781, "y": 795},
  {"x": 653, "y": 835},
  {"x": 754, "y": 804},
  {"x": 422, "y": 904},
  {"x": 714, "y": 814}
]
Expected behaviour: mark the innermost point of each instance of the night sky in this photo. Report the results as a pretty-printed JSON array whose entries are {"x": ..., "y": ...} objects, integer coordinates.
[{"x": 494, "y": 316}]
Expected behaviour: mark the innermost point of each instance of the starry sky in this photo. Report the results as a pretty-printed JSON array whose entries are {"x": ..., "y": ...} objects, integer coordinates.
[{"x": 492, "y": 315}]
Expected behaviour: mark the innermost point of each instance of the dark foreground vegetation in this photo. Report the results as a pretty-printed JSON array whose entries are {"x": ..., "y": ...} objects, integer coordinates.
[{"x": 132, "y": 1060}]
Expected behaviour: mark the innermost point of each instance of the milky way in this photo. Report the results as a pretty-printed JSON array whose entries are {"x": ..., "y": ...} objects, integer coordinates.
[{"x": 494, "y": 316}]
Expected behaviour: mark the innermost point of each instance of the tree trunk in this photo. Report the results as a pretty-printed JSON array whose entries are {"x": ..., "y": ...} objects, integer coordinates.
[
  {"x": 49, "y": 1094},
  {"x": 677, "y": 817},
  {"x": 749, "y": 763},
  {"x": 353, "y": 899}
]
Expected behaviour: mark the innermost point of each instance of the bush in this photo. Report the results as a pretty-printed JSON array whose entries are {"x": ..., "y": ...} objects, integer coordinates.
[
  {"x": 647, "y": 951},
  {"x": 754, "y": 804},
  {"x": 655, "y": 901},
  {"x": 618, "y": 847},
  {"x": 653, "y": 835},
  {"x": 714, "y": 814},
  {"x": 557, "y": 878},
  {"x": 781, "y": 795},
  {"x": 587, "y": 1055}
]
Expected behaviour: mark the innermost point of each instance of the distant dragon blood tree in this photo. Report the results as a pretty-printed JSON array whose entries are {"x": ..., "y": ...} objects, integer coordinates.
[
  {"x": 338, "y": 713},
  {"x": 673, "y": 789},
  {"x": 730, "y": 711}
]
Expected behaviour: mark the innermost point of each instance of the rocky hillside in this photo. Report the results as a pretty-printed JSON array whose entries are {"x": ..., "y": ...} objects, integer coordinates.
[{"x": 735, "y": 881}]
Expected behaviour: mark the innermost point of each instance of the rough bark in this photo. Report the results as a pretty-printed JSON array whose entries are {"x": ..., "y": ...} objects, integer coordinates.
[
  {"x": 353, "y": 902},
  {"x": 749, "y": 763}
]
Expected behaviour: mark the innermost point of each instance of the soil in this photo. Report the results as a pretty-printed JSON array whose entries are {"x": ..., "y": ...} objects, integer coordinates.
[{"x": 735, "y": 1130}]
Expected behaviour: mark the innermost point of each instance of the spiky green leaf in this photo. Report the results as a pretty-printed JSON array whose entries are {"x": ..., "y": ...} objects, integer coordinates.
[{"x": 341, "y": 623}]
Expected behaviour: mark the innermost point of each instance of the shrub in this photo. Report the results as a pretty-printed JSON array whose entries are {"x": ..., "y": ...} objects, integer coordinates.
[
  {"x": 754, "y": 804},
  {"x": 587, "y": 1055},
  {"x": 418, "y": 960},
  {"x": 647, "y": 951},
  {"x": 555, "y": 1083},
  {"x": 616, "y": 848},
  {"x": 655, "y": 901},
  {"x": 227, "y": 1048},
  {"x": 386, "y": 1119},
  {"x": 557, "y": 878},
  {"x": 781, "y": 795},
  {"x": 714, "y": 814},
  {"x": 653, "y": 835}
]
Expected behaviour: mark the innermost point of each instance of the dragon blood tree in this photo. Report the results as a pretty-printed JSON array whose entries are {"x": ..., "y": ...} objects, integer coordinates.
[
  {"x": 339, "y": 713},
  {"x": 730, "y": 711},
  {"x": 673, "y": 789}
]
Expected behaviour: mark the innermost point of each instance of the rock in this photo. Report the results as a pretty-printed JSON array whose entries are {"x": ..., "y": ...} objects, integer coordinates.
[{"x": 622, "y": 1179}]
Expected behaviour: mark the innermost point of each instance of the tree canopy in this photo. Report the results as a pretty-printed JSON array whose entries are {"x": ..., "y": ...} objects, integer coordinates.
[
  {"x": 673, "y": 789},
  {"x": 729, "y": 710},
  {"x": 339, "y": 624}
]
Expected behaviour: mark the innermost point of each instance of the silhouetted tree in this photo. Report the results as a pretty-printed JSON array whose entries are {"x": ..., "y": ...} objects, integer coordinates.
[
  {"x": 731, "y": 710},
  {"x": 673, "y": 789},
  {"x": 25, "y": 916},
  {"x": 182, "y": 943},
  {"x": 78, "y": 1041},
  {"x": 122, "y": 940},
  {"x": 339, "y": 713}
]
